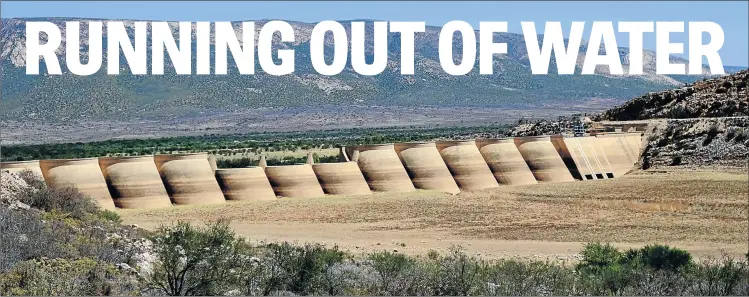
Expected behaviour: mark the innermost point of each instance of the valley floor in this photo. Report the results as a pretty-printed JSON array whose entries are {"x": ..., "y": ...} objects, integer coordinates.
[{"x": 704, "y": 212}]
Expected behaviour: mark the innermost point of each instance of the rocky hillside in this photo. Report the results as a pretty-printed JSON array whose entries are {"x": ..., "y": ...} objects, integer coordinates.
[
  {"x": 725, "y": 96},
  {"x": 125, "y": 97}
]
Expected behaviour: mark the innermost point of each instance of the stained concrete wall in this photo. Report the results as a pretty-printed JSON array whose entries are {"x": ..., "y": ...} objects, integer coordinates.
[
  {"x": 134, "y": 182},
  {"x": 344, "y": 178},
  {"x": 83, "y": 174},
  {"x": 583, "y": 157},
  {"x": 189, "y": 179},
  {"x": 294, "y": 181},
  {"x": 543, "y": 159},
  {"x": 467, "y": 166},
  {"x": 243, "y": 184},
  {"x": 381, "y": 167},
  {"x": 505, "y": 161},
  {"x": 425, "y": 166},
  {"x": 616, "y": 152},
  {"x": 19, "y": 166}
]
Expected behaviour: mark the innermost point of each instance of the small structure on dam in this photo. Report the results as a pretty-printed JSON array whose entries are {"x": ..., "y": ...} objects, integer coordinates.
[
  {"x": 542, "y": 159},
  {"x": 505, "y": 161},
  {"x": 294, "y": 181},
  {"x": 189, "y": 179},
  {"x": 243, "y": 184},
  {"x": 616, "y": 150},
  {"x": 425, "y": 166},
  {"x": 381, "y": 167},
  {"x": 583, "y": 157},
  {"x": 20, "y": 166},
  {"x": 134, "y": 182},
  {"x": 344, "y": 178},
  {"x": 466, "y": 165},
  {"x": 83, "y": 174}
]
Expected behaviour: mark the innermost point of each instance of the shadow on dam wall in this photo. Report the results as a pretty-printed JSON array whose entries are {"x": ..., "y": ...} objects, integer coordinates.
[
  {"x": 245, "y": 184},
  {"x": 425, "y": 166},
  {"x": 294, "y": 181},
  {"x": 505, "y": 161},
  {"x": 189, "y": 179},
  {"x": 448, "y": 166},
  {"x": 543, "y": 159},
  {"x": 381, "y": 167},
  {"x": 134, "y": 182},
  {"x": 466, "y": 165},
  {"x": 344, "y": 178}
]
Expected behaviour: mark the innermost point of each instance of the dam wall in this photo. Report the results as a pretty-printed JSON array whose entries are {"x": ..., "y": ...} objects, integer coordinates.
[
  {"x": 467, "y": 166},
  {"x": 505, "y": 161},
  {"x": 294, "y": 181},
  {"x": 583, "y": 157},
  {"x": 543, "y": 159},
  {"x": 189, "y": 179},
  {"x": 20, "y": 166},
  {"x": 425, "y": 166},
  {"x": 381, "y": 167},
  {"x": 617, "y": 152},
  {"x": 134, "y": 182},
  {"x": 344, "y": 178},
  {"x": 243, "y": 184},
  {"x": 83, "y": 174}
]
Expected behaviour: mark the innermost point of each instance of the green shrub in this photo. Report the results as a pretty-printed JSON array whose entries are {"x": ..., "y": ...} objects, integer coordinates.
[
  {"x": 658, "y": 257},
  {"x": 459, "y": 274},
  {"x": 195, "y": 261},
  {"x": 597, "y": 255},
  {"x": 61, "y": 277},
  {"x": 68, "y": 200}
]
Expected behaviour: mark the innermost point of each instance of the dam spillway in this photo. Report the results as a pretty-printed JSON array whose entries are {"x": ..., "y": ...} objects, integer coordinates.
[
  {"x": 344, "y": 178},
  {"x": 189, "y": 179},
  {"x": 381, "y": 167},
  {"x": 467, "y": 166},
  {"x": 134, "y": 182},
  {"x": 243, "y": 184},
  {"x": 505, "y": 161},
  {"x": 583, "y": 157},
  {"x": 425, "y": 166},
  {"x": 617, "y": 153},
  {"x": 83, "y": 174},
  {"x": 294, "y": 181},
  {"x": 543, "y": 159}
]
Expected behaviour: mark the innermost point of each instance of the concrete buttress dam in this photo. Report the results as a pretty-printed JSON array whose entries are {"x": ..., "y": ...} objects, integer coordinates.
[
  {"x": 381, "y": 168},
  {"x": 543, "y": 160},
  {"x": 616, "y": 151},
  {"x": 294, "y": 181},
  {"x": 243, "y": 184},
  {"x": 583, "y": 157},
  {"x": 83, "y": 174},
  {"x": 425, "y": 166},
  {"x": 505, "y": 161},
  {"x": 189, "y": 179},
  {"x": 134, "y": 182},
  {"x": 466, "y": 165},
  {"x": 344, "y": 178},
  {"x": 19, "y": 166}
]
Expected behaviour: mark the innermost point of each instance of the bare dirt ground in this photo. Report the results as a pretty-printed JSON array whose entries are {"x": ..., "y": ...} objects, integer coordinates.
[{"x": 704, "y": 212}]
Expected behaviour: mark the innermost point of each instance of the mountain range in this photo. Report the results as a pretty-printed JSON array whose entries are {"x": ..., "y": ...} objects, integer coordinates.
[{"x": 99, "y": 97}]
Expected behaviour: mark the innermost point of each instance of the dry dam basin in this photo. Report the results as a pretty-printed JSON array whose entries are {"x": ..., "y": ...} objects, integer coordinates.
[{"x": 531, "y": 197}]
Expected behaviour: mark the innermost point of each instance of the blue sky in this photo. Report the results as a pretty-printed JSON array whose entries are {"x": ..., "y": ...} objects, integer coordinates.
[{"x": 732, "y": 16}]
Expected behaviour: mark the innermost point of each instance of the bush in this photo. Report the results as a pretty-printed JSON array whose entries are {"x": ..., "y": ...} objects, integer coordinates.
[
  {"x": 459, "y": 275},
  {"x": 301, "y": 270},
  {"x": 68, "y": 200},
  {"x": 196, "y": 261},
  {"x": 597, "y": 255},
  {"x": 658, "y": 257},
  {"x": 675, "y": 160},
  {"x": 63, "y": 277},
  {"x": 520, "y": 278}
]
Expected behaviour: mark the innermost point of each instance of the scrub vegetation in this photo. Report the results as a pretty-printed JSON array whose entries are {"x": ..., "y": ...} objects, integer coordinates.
[{"x": 58, "y": 242}]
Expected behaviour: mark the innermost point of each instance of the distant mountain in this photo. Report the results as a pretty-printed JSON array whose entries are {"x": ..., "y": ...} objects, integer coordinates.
[{"x": 126, "y": 97}]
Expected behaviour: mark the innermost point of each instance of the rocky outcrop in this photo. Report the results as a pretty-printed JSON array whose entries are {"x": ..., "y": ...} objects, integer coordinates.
[
  {"x": 697, "y": 142},
  {"x": 725, "y": 96}
]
